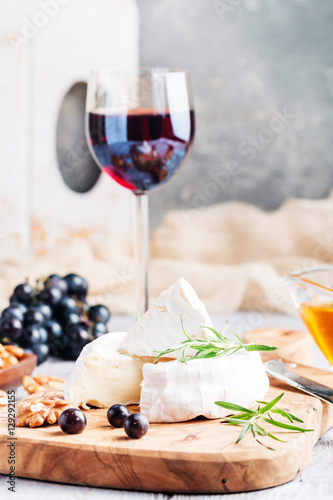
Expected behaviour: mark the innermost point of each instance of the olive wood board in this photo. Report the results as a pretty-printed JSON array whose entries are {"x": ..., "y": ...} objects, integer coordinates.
[{"x": 199, "y": 456}]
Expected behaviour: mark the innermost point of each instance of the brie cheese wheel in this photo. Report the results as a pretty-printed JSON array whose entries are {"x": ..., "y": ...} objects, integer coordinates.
[
  {"x": 102, "y": 376},
  {"x": 176, "y": 392},
  {"x": 160, "y": 327}
]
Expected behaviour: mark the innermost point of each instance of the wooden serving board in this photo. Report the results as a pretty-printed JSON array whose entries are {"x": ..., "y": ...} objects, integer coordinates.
[{"x": 199, "y": 456}]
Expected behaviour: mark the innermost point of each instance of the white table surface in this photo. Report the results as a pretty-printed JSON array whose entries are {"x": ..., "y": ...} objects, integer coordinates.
[{"x": 315, "y": 482}]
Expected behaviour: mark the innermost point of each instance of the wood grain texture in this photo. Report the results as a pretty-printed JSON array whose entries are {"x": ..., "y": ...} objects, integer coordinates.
[
  {"x": 291, "y": 344},
  {"x": 191, "y": 457}
]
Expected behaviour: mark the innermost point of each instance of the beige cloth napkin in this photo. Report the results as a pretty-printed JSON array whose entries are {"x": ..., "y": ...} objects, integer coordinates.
[{"x": 233, "y": 254}]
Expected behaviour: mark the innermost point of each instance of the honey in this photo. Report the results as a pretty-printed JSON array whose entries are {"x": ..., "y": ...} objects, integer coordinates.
[{"x": 319, "y": 321}]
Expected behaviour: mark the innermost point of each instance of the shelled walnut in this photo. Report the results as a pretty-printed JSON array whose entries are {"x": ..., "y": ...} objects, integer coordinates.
[
  {"x": 40, "y": 383},
  {"x": 10, "y": 355},
  {"x": 35, "y": 412}
]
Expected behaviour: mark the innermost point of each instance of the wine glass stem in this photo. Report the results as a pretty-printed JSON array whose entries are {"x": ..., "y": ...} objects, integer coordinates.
[{"x": 141, "y": 252}]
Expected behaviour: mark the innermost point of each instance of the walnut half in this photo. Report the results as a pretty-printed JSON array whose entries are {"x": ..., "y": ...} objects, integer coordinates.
[
  {"x": 34, "y": 412},
  {"x": 40, "y": 383}
]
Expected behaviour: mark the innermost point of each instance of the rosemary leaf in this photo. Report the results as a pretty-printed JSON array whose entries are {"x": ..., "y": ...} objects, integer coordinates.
[
  {"x": 245, "y": 431},
  {"x": 218, "y": 334},
  {"x": 242, "y": 416},
  {"x": 276, "y": 438},
  {"x": 239, "y": 339},
  {"x": 234, "y": 421},
  {"x": 284, "y": 414},
  {"x": 258, "y": 347},
  {"x": 260, "y": 429},
  {"x": 296, "y": 418},
  {"x": 231, "y": 406},
  {"x": 286, "y": 426},
  {"x": 270, "y": 405}
]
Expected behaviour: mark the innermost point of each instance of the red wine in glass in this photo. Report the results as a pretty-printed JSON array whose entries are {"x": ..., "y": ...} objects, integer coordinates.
[{"x": 142, "y": 148}]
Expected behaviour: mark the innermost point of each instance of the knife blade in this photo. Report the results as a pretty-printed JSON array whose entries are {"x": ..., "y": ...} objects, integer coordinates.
[{"x": 280, "y": 370}]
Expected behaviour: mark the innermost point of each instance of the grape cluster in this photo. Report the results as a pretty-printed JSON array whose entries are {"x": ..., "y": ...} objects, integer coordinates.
[{"x": 53, "y": 318}]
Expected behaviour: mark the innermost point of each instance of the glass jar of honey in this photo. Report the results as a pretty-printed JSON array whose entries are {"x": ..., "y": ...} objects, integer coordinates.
[{"x": 312, "y": 293}]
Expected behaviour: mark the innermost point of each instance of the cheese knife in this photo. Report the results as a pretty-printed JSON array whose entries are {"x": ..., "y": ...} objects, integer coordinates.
[{"x": 280, "y": 370}]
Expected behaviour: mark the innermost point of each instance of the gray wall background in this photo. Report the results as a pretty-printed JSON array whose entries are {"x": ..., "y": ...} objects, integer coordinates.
[{"x": 262, "y": 74}]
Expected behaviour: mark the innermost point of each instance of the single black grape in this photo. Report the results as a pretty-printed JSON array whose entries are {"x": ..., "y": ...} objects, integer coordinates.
[
  {"x": 53, "y": 276},
  {"x": 78, "y": 338},
  {"x": 31, "y": 335},
  {"x": 117, "y": 414},
  {"x": 56, "y": 340},
  {"x": 54, "y": 329},
  {"x": 44, "y": 308},
  {"x": 23, "y": 307},
  {"x": 42, "y": 352},
  {"x": 51, "y": 295},
  {"x": 11, "y": 327},
  {"x": 98, "y": 329},
  {"x": 13, "y": 311},
  {"x": 44, "y": 336},
  {"x": 23, "y": 293},
  {"x": 60, "y": 349},
  {"x": 77, "y": 286},
  {"x": 14, "y": 302},
  {"x": 136, "y": 425},
  {"x": 66, "y": 306},
  {"x": 72, "y": 319},
  {"x": 72, "y": 421},
  {"x": 56, "y": 280},
  {"x": 99, "y": 313},
  {"x": 33, "y": 317}
]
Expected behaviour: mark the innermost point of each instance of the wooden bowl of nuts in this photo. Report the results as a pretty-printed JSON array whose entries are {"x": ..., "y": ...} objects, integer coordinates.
[{"x": 14, "y": 364}]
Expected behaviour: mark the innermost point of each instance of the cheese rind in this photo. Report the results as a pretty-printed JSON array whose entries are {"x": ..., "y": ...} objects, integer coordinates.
[
  {"x": 160, "y": 327},
  {"x": 176, "y": 392},
  {"x": 103, "y": 376}
]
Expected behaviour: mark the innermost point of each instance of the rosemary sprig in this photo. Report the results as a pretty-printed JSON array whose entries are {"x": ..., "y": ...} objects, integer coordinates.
[
  {"x": 215, "y": 347},
  {"x": 250, "y": 419}
]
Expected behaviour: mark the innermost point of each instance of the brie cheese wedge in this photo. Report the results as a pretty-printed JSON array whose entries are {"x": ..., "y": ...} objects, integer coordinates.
[
  {"x": 160, "y": 327},
  {"x": 176, "y": 392},
  {"x": 102, "y": 376}
]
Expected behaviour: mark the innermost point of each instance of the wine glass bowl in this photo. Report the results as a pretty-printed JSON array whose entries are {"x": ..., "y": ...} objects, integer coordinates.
[{"x": 140, "y": 125}]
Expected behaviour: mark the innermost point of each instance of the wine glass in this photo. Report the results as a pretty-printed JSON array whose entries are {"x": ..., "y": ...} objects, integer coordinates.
[{"x": 140, "y": 128}]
